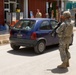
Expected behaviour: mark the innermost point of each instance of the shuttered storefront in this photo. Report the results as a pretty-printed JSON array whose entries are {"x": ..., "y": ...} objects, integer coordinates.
[
  {"x": 37, "y": 4},
  {"x": 33, "y": 5}
]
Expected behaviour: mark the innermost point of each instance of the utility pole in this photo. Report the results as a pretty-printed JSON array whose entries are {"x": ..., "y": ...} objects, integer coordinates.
[
  {"x": 62, "y": 5},
  {"x": 58, "y": 3}
]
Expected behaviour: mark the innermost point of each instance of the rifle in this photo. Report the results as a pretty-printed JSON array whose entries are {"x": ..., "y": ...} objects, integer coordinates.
[{"x": 53, "y": 33}]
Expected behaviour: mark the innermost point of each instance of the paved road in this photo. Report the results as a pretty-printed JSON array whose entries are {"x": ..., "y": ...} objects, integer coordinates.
[{"x": 26, "y": 62}]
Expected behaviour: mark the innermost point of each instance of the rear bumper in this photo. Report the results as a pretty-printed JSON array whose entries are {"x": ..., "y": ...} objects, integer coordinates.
[{"x": 23, "y": 42}]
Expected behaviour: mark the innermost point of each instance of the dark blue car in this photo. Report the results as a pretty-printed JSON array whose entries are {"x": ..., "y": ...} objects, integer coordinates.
[{"x": 34, "y": 32}]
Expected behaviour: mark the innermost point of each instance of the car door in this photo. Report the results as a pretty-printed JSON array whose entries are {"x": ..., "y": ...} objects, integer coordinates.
[
  {"x": 54, "y": 24},
  {"x": 44, "y": 32}
]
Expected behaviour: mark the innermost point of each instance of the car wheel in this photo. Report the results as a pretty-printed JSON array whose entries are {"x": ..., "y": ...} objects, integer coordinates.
[
  {"x": 40, "y": 47},
  {"x": 15, "y": 47}
]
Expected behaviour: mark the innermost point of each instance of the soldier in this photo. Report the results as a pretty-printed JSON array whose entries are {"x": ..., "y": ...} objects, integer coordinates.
[{"x": 65, "y": 31}]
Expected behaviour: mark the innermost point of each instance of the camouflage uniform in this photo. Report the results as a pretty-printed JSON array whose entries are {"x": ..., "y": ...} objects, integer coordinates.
[{"x": 65, "y": 32}]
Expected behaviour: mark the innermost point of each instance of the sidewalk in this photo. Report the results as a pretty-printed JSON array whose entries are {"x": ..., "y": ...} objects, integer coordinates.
[{"x": 4, "y": 37}]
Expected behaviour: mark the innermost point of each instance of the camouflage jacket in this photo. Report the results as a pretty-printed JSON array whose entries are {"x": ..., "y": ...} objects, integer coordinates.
[{"x": 65, "y": 29}]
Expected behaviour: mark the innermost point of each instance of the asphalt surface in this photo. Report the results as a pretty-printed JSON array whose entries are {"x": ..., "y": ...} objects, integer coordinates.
[{"x": 25, "y": 62}]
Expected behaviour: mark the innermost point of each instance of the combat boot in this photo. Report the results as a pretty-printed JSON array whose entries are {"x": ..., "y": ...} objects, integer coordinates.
[
  {"x": 68, "y": 63},
  {"x": 63, "y": 65}
]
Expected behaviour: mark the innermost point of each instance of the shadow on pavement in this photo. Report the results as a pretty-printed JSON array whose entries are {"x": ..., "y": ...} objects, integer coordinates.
[
  {"x": 58, "y": 70},
  {"x": 23, "y": 52},
  {"x": 30, "y": 51}
]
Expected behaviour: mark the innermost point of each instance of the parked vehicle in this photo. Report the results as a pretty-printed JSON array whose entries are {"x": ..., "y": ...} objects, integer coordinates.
[{"x": 34, "y": 32}]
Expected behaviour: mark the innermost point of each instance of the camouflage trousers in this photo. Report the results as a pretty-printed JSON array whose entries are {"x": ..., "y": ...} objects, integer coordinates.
[{"x": 63, "y": 48}]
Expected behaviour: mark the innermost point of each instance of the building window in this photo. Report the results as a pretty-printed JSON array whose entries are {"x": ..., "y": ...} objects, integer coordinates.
[
  {"x": 6, "y": 0},
  {"x": 6, "y": 6},
  {"x": 45, "y": 25}
]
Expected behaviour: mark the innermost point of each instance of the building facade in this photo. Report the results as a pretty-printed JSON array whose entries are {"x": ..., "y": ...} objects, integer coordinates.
[{"x": 26, "y": 6}]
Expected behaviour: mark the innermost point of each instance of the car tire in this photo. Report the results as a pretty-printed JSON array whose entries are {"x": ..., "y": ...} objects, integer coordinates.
[
  {"x": 15, "y": 47},
  {"x": 40, "y": 47}
]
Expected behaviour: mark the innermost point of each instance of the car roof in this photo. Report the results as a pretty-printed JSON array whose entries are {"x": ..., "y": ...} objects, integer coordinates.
[{"x": 37, "y": 19}]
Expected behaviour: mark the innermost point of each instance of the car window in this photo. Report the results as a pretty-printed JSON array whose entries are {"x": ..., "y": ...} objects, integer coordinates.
[
  {"x": 25, "y": 24},
  {"x": 45, "y": 25},
  {"x": 53, "y": 24}
]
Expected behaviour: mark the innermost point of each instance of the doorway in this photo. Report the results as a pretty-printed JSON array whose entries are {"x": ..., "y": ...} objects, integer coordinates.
[
  {"x": 12, "y": 7},
  {"x": 9, "y": 6},
  {"x": 49, "y": 9}
]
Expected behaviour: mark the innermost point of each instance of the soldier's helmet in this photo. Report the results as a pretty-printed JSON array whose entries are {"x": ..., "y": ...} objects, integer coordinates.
[{"x": 67, "y": 14}]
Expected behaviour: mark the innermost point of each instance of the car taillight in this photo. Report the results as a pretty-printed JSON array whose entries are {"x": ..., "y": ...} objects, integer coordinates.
[
  {"x": 11, "y": 33},
  {"x": 33, "y": 36}
]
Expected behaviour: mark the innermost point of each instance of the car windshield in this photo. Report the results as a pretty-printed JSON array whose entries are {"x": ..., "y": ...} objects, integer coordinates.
[{"x": 25, "y": 24}]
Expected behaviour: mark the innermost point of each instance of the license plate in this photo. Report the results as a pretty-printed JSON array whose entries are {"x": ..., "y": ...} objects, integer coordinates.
[{"x": 19, "y": 35}]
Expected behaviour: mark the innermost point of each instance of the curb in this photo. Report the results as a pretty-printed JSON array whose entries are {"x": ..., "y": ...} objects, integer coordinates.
[
  {"x": 4, "y": 39},
  {"x": 2, "y": 42}
]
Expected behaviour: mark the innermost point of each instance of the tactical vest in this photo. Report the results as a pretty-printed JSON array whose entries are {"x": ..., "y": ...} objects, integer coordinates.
[{"x": 68, "y": 30}]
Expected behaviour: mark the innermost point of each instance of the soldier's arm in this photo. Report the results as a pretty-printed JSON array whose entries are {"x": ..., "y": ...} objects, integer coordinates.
[{"x": 60, "y": 28}]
